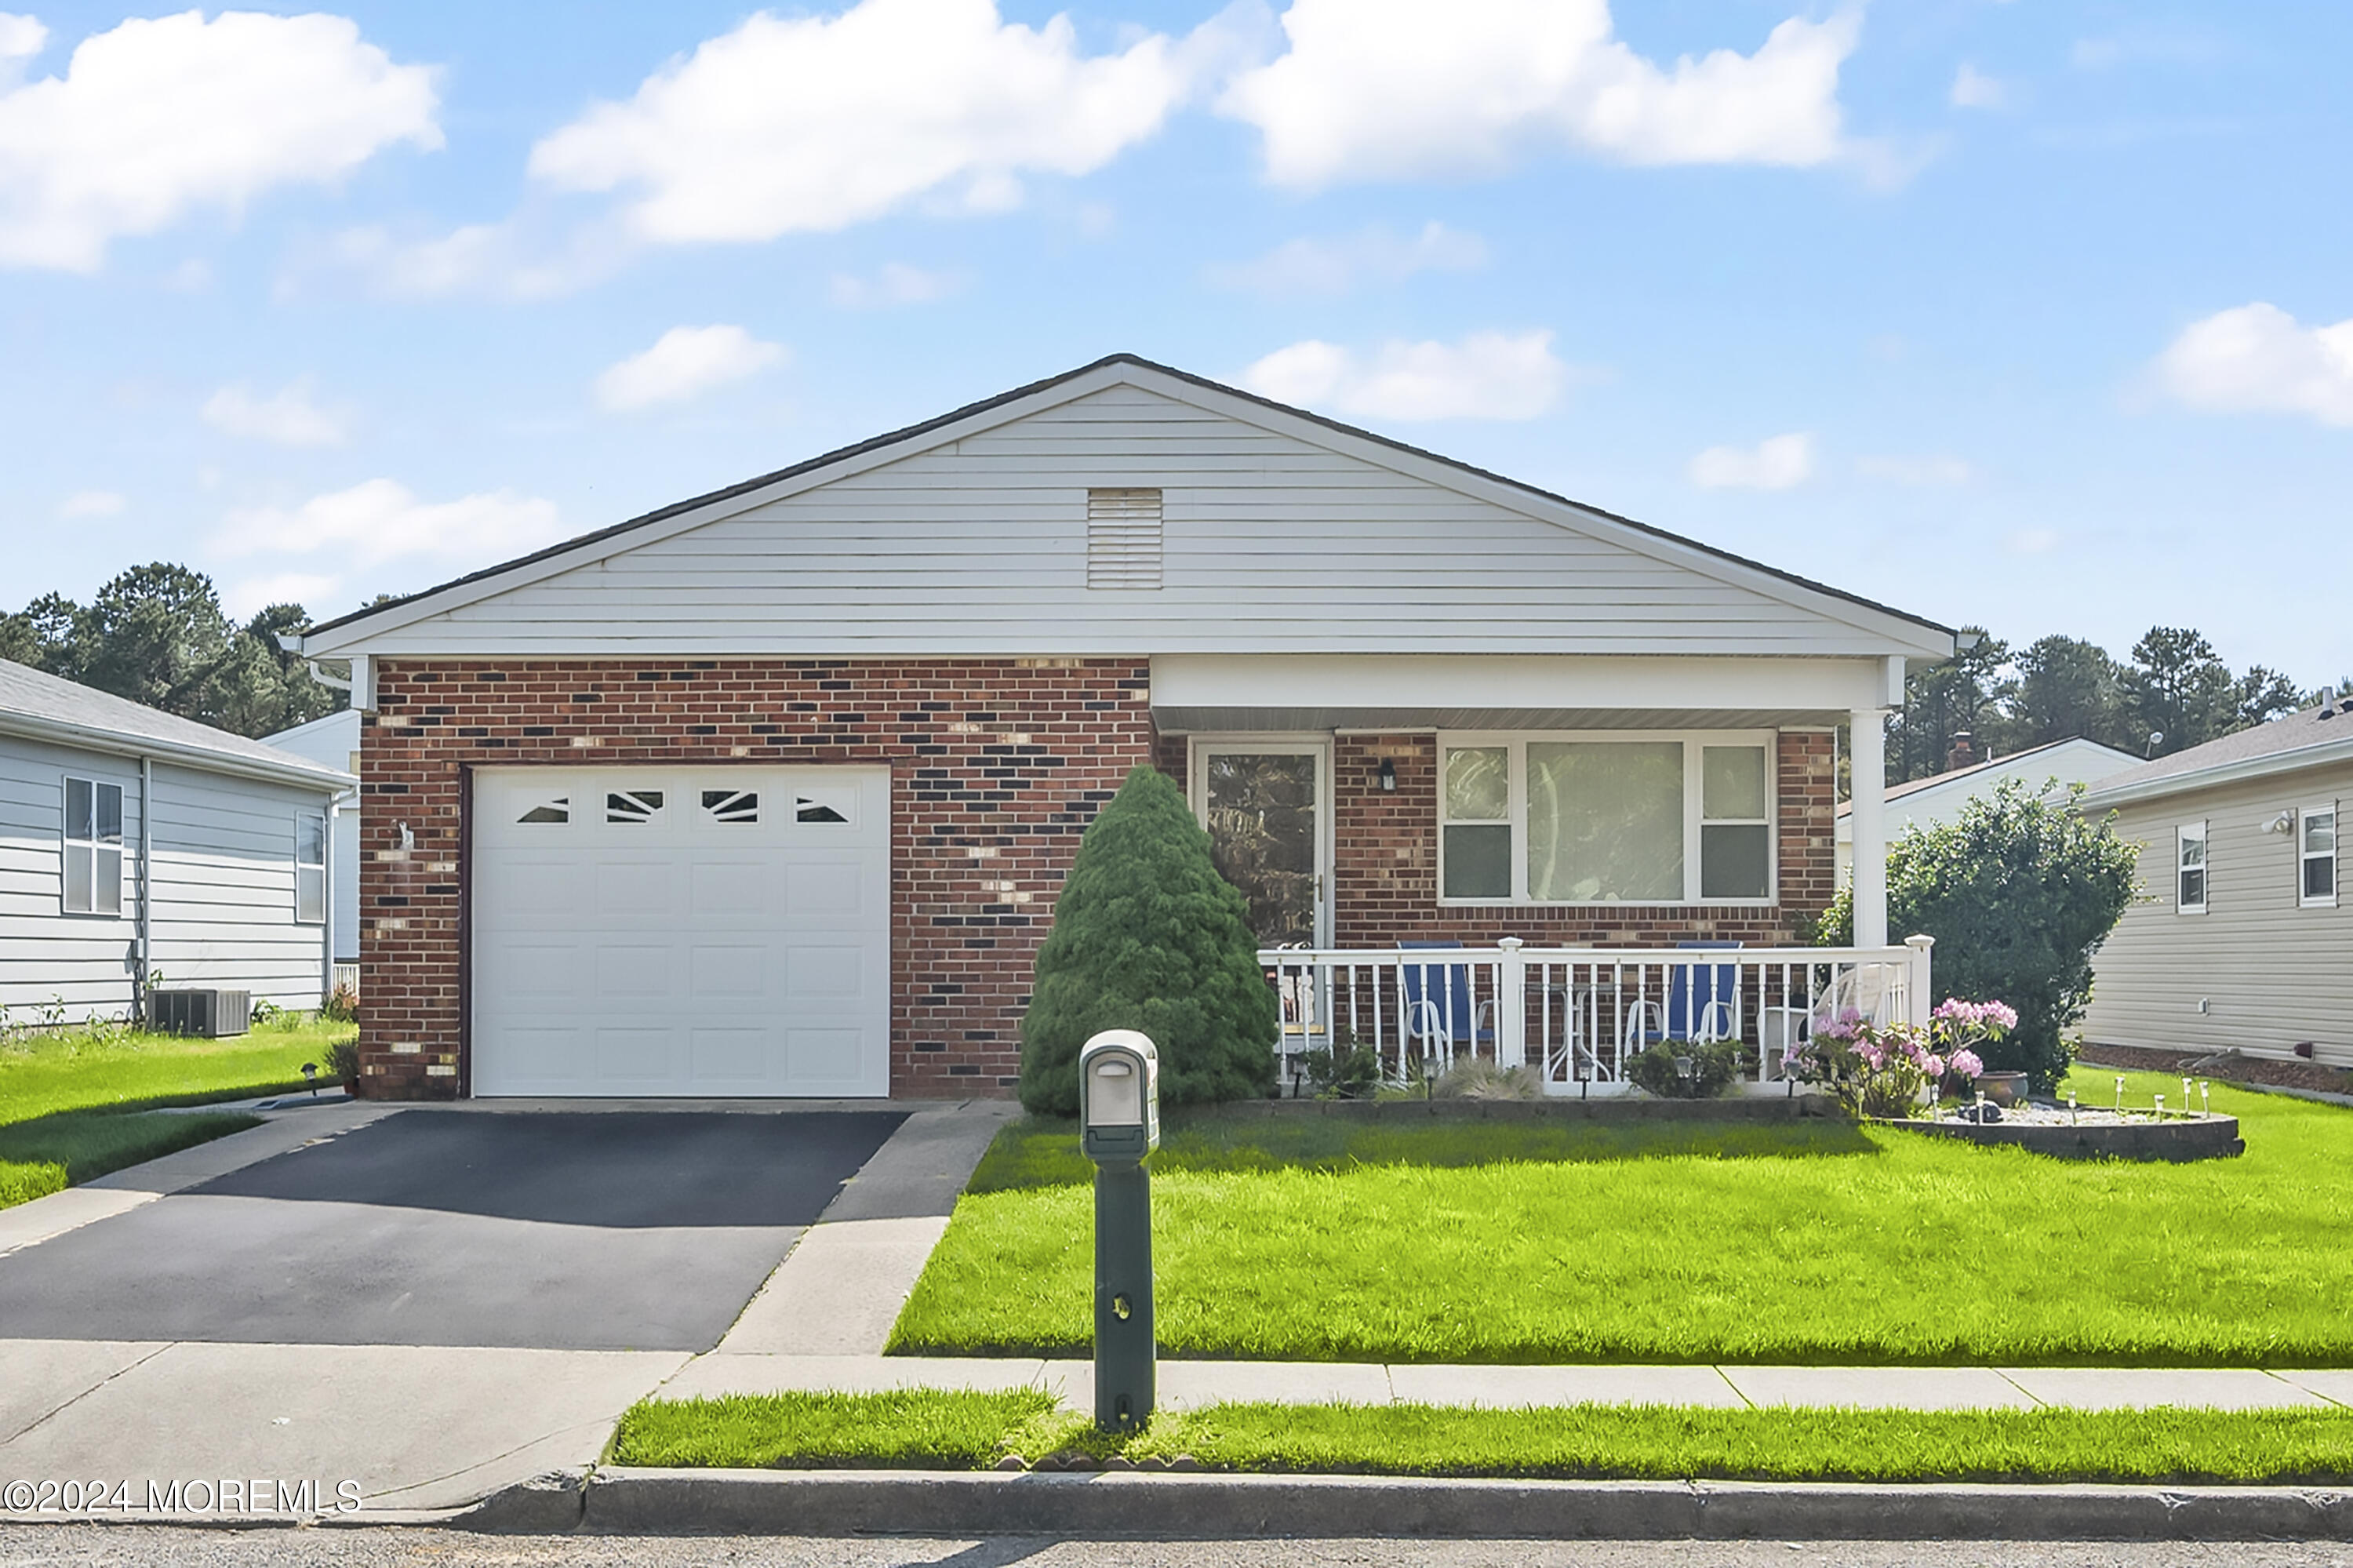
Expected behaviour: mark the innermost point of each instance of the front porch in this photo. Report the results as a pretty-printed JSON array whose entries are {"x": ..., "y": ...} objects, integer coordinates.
[{"x": 1580, "y": 1015}]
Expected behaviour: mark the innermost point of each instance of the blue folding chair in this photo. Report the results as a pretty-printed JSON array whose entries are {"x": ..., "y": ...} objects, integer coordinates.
[
  {"x": 1702, "y": 1003},
  {"x": 1436, "y": 1012}
]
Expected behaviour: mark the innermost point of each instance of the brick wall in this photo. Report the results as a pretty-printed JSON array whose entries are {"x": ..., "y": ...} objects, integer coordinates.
[
  {"x": 1386, "y": 854},
  {"x": 996, "y": 768}
]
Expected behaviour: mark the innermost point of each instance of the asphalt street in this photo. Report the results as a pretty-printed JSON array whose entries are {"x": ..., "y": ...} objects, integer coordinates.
[
  {"x": 610, "y": 1231},
  {"x": 133, "y": 1546}
]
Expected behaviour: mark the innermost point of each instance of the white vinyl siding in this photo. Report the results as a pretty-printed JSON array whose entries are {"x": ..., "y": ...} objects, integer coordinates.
[
  {"x": 92, "y": 847},
  {"x": 82, "y": 963},
  {"x": 2261, "y": 971},
  {"x": 2315, "y": 867},
  {"x": 1590, "y": 819},
  {"x": 2190, "y": 869},
  {"x": 1269, "y": 543}
]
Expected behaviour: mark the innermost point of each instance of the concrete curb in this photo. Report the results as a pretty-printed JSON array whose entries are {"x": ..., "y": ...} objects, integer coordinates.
[{"x": 1223, "y": 1507}]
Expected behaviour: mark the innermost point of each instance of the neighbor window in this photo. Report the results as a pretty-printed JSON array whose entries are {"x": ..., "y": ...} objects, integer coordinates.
[
  {"x": 2316, "y": 860},
  {"x": 2190, "y": 869},
  {"x": 93, "y": 847},
  {"x": 310, "y": 868},
  {"x": 1655, "y": 820}
]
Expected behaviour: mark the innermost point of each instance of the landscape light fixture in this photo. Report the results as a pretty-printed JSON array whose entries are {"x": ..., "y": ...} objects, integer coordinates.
[{"x": 310, "y": 1076}]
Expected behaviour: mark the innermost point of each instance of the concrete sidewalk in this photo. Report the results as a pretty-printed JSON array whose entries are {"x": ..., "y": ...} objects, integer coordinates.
[{"x": 1188, "y": 1384}]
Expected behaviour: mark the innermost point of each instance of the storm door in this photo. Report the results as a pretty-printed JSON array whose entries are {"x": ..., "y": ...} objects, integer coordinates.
[{"x": 1268, "y": 811}]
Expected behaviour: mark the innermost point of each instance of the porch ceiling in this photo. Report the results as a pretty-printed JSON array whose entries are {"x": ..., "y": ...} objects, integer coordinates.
[{"x": 1177, "y": 720}]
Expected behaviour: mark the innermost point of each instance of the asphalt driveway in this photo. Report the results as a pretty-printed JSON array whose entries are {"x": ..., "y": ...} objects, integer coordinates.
[{"x": 617, "y": 1230}]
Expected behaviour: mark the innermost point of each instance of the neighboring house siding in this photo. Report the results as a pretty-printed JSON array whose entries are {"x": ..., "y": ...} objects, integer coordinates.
[
  {"x": 1386, "y": 846},
  {"x": 2272, "y": 973},
  {"x": 334, "y": 742},
  {"x": 997, "y": 765},
  {"x": 87, "y": 962},
  {"x": 1273, "y": 543},
  {"x": 223, "y": 911},
  {"x": 2070, "y": 762}
]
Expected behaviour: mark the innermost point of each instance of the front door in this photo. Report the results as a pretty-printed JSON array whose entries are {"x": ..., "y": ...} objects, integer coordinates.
[{"x": 1269, "y": 816}]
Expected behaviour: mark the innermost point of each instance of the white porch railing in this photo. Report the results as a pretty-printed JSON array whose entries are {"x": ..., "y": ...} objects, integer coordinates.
[{"x": 1580, "y": 1015}]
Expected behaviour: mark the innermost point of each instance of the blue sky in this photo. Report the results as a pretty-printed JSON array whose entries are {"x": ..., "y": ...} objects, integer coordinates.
[{"x": 2023, "y": 313}]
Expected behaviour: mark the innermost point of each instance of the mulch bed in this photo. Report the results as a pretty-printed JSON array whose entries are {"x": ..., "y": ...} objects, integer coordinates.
[{"x": 2228, "y": 1065}]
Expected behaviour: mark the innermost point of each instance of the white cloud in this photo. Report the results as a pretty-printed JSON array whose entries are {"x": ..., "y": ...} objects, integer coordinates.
[
  {"x": 683, "y": 362},
  {"x": 251, "y": 596},
  {"x": 1926, "y": 468},
  {"x": 515, "y": 259},
  {"x": 1333, "y": 267},
  {"x": 2258, "y": 358},
  {"x": 1487, "y": 376},
  {"x": 802, "y": 123},
  {"x": 1386, "y": 88},
  {"x": 1973, "y": 90},
  {"x": 21, "y": 38},
  {"x": 158, "y": 117},
  {"x": 896, "y": 283},
  {"x": 290, "y": 417},
  {"x": 92, "y": 504},
  {"x": 1777, "y": 462},
  {"x": 2032, "y": 542},
  {"x": 382, "y": 519}
]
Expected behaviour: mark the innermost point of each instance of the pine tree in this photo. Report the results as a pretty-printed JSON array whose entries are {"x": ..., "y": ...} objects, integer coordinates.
[{"x": 1148, "y": 935}]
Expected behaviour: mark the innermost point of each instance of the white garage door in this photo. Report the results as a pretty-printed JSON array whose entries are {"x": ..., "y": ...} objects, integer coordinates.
[{"x": 681, "y": 931}]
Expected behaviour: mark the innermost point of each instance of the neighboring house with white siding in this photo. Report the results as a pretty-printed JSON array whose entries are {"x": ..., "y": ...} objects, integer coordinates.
[
  {"x": 772, "y": 791},
  {"x": 334, "y": 741},
  {"x": 133, "y": 842},
  {"x": 2244, "y": 939},
  {"x": 2048, "y": 770}
]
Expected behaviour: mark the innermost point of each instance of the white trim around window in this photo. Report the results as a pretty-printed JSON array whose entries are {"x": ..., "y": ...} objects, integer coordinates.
[
  {"x": 2190, "y": 869},
  {"x": 2315, "y": 858},
  {"x": 89, "y": 878},
  {"x": 310, "y": 868},
  {"x": 1678, "y": 818}
]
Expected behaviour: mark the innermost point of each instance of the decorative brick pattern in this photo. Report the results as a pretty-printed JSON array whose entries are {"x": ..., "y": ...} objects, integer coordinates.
[
  {"x": 1385, "y": 880},
  {"x": 996, "y": 768}
]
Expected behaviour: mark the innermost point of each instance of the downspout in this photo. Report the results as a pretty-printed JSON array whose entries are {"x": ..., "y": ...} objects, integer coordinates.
[
  {"x": 327, "y": 900},
  {"x": 139, "y": 1002}
]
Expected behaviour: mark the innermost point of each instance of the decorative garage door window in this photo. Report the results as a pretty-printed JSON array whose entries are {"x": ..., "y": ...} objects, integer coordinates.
[
  {"x": 739, "y": 806},
  {"x": 548, "y": 813},
  {"x": 823, "y": 805},
  {"x": 633, "y": 806}
]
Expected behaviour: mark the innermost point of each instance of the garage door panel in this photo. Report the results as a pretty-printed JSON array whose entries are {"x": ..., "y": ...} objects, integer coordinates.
[{"x": 681, "y": 931}]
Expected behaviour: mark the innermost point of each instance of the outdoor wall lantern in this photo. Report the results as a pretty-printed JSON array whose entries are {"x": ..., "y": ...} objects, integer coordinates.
[
  {"x": 1119, "y": 1114},
  {"x": 1388, "y": 775}
]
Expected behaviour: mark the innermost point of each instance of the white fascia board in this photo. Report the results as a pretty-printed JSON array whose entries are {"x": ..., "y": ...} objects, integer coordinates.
[
  {"x": 2302, "y": 758},
  {"x": 1503, "y": 681},
  {"x": 114, "y": 743},
  {"x": 366, "y": 634},
  {"x": 1904, "y": 639}
]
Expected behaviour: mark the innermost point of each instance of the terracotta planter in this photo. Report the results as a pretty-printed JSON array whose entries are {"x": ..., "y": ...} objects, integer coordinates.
[{"x": 2002, "y": 1088}]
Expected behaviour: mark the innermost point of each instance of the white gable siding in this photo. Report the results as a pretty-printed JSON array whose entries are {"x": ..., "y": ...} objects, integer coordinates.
[{"x": 1273, "y": 543}]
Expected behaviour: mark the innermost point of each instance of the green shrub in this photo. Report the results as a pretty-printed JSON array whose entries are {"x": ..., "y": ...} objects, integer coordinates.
[
  {"x": 2019, "y": 893},
  {"x": 1687, "y": 1069},
  {"x": 1347, "y": 1071},
  {"x": 342, "y": 1005},
  {"x": 1148, "y": 936}
]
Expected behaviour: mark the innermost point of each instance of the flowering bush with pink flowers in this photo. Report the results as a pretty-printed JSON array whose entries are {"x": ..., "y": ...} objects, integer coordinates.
[{"x": 1881, "y": 1070}]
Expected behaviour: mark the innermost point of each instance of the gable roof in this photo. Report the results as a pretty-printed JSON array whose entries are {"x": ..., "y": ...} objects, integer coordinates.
[
  {"x": 43, "y": 707},
  {"x": 1916, "y": 786},
  {"x": 2312, "y": 738},
  {"x": 1912, "y": 636}
]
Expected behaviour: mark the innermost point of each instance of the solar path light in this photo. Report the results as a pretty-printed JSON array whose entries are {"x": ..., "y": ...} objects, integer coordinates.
[{"x": 1119, "y": 1114}]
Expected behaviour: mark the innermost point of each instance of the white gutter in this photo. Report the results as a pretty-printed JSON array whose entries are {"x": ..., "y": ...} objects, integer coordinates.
[
  {"x": 307, "y": 776},
  {"x": 2337, "y": 749}
]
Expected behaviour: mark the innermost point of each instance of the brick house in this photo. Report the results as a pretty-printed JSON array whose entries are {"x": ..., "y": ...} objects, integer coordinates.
[{"x": 770, "y": 793}]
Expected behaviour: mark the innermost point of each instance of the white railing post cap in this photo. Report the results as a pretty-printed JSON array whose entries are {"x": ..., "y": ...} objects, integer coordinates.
[
  {"x": 1920, "y": 943},
  {"x": 1510, "y": 944}
]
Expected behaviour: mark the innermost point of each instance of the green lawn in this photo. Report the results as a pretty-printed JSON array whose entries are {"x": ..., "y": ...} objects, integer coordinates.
[
  {"x": 1799, "y": 1244},
  {"x": 957, "y": 1430},
  {"x": 67, "y": 1100}
]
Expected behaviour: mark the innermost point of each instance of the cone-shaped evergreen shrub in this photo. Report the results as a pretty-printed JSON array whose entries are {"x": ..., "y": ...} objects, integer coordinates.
[{"x": 1148, "y": 935}]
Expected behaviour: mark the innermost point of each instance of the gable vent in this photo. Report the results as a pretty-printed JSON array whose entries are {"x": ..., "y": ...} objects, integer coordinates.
[{"x": 1123, "y": 539}]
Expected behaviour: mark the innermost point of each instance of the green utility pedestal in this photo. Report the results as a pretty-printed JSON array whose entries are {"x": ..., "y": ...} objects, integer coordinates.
[{"x": 1118, "y": 1112}]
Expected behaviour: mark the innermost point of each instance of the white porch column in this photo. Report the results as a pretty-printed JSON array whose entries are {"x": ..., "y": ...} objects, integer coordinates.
[{"x": 1867, "y": 812}]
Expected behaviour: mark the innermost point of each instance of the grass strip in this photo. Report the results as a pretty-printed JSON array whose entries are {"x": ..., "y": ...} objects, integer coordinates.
[
  {"x": 955, "y": 1429},
  {"x": 1878, "y": 1248},
  {"x": 76, "y": 1070},
  {"x": 37, "y": 1157}
]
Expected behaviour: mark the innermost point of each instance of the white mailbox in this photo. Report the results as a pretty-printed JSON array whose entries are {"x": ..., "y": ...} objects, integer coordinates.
[{"x": 1119, "y": 1096}]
